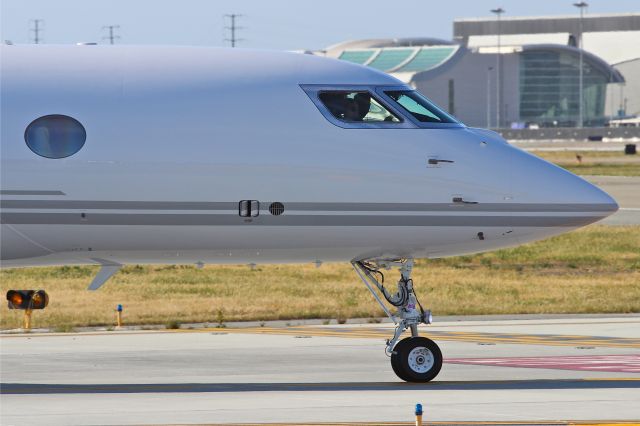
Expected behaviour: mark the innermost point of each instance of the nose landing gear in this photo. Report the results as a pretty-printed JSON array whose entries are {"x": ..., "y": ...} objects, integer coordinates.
[{"x": 415, "y": 358}]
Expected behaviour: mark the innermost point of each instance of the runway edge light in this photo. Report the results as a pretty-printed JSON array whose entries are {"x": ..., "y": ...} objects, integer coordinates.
[
  {"x": 119, "y": 316},
  {"x": 418, "y": 414},
  {"x": 27, "y": 299}
]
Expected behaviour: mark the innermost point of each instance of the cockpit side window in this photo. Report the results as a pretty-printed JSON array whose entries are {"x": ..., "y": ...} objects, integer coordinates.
[
  {"x": 356, "y": 107},
  {"x": 420, "y": 107}
]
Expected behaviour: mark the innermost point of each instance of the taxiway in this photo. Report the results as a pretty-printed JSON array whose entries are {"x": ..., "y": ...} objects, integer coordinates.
[{"x": 534, "y": 370}]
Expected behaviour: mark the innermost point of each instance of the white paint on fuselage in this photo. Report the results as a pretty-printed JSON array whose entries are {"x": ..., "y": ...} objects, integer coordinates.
[{"x": 224, "y": 125}]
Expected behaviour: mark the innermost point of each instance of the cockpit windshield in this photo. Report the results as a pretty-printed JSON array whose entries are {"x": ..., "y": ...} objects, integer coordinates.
[{"x": 420, "y": 107}]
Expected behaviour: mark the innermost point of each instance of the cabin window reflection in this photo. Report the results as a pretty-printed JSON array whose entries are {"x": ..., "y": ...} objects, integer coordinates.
[
  {"x": 418, "y": 106},
  {"x": 356, "y": 107},
  {"x": 55, "y": 136}
]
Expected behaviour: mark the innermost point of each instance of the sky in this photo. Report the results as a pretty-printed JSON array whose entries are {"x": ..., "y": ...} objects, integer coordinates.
[{"x": 267, "y": 24}]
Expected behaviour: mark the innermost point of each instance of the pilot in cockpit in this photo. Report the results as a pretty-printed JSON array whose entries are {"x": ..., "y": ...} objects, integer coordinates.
[
  {"x": 363, "y": 104},
  {"x": 348, "y": 106}
]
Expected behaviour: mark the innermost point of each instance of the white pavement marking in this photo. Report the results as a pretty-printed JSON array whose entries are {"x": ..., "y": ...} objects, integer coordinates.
[{"x": 612, "y": 363}]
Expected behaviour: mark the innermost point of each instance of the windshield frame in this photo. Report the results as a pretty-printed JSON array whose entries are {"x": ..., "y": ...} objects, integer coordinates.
[
  {"x": 313, "y": 92},
  {"x": 381, "y": 92}
]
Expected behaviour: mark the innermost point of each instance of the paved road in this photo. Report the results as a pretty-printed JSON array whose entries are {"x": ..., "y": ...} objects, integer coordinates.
[
  {"x": 534, "y": 370},
  {"x": 572, "y": 145}
]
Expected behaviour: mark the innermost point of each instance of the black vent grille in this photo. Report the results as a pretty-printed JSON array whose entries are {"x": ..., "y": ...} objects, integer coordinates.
[{"x": 276, "y": 208}]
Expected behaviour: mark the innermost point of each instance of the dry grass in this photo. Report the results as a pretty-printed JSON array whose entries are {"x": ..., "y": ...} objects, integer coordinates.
[
  {"x": 596, "y": 163},
  {"x": 593, "y": 270}
]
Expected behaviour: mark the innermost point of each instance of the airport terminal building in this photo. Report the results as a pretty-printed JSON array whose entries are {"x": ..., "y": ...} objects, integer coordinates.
[{"x": 531, "y": 80}]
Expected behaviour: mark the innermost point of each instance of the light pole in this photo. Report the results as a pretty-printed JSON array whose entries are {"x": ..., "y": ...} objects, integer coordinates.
[
  {"x": 499, "y": 11},
  {"x": 580, "y": 6},
  {"x": 489, "y": 97}
]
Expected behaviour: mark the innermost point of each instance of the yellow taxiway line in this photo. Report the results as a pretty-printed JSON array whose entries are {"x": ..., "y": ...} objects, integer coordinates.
[
  {"x": 380, "y": 333},
  {"x": 491, "y": 338},
  {"x": 463, "y": 423}
]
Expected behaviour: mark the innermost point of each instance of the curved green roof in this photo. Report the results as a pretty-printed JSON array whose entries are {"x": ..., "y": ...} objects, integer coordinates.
[
  {"x": 394, "y": 59},
  {"x": 428, "y": 58},
  {"x": 388, "y": 59},
  {"x": 357, "y": 56}
]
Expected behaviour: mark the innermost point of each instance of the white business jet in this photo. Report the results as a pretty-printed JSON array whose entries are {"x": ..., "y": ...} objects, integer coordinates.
[{"x": 116, "y": 155}]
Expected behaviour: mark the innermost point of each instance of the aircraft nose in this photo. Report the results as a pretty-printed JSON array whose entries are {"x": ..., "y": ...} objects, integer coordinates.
[
  {"x": 589, "y": 204},
  {"x": 574, "y": 201},
  {"x": 577, "y": 190},
  {"x": 591, "y": 195}
]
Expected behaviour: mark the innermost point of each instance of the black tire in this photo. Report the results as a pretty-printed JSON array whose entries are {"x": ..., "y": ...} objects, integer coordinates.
[
  {"x": 419, "y": 366},
  {"x": 395, "y": 364}
]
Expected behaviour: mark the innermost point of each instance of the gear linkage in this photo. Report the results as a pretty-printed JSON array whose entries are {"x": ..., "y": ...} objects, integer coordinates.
[{"x": 409, "y": 310}]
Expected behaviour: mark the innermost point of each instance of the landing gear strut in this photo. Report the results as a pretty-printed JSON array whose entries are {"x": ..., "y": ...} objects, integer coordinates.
[{"x": 415, "y": 358}]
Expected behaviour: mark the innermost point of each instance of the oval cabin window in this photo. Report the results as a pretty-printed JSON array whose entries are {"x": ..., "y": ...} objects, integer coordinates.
[{"x": 55, "y": 136}]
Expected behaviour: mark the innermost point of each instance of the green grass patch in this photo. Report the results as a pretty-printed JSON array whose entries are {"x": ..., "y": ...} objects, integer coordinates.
[
  {"x": 600, "y": 169},
  {"x": 595, "y": 163},
  {"x": 593, "y": 270}
]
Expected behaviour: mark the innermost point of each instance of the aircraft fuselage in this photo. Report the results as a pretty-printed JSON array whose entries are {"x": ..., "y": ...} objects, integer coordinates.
[{"x": 178, "y": 138}]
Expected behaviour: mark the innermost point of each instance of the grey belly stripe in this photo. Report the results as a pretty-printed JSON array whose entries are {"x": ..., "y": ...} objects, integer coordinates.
[
  {"x": 304, "y": 206},
  {"x": 424, "y": 207},
  {"x": 116, "y": 205},
  {"x": 284, "y": 220},
  {"x": 22, "y": 192}
]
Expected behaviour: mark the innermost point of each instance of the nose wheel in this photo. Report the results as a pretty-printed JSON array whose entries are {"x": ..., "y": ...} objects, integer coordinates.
[{"x": 415, "y": 358}]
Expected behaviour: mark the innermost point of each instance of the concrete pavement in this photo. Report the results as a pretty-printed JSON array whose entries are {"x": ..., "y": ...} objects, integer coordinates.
[{"x": 534, "y": 370}]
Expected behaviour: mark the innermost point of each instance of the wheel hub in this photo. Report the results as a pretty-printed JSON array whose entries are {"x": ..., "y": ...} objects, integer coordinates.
[{"x": 421, "y": 360}]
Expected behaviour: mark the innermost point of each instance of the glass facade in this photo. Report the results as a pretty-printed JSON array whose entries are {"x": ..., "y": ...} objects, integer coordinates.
[{"x": 549, "y": 89}]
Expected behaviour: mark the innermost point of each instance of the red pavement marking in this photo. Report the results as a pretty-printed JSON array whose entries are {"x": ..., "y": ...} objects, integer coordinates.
[{"x": 611, "y": 363}]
